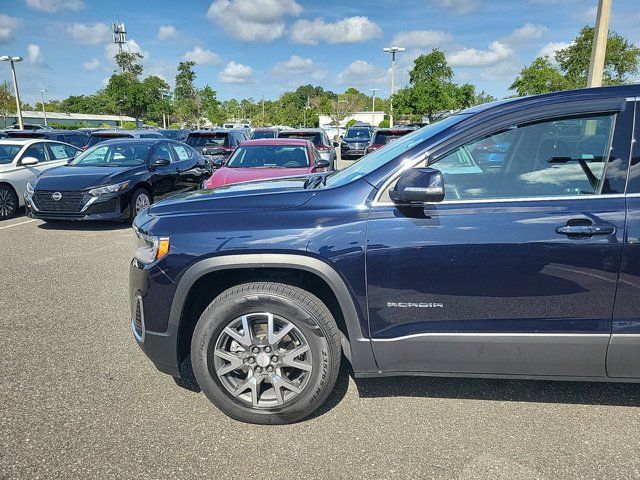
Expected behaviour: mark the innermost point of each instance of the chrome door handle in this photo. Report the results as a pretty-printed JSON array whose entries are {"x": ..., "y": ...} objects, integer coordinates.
[{"x": 586, "y": 230}]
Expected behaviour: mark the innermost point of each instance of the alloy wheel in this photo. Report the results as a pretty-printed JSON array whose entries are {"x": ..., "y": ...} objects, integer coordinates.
[
  {"x": 262, "y": 359},
  {"x": 142, "y": 202},
  {"x": 7, "y": 203}
]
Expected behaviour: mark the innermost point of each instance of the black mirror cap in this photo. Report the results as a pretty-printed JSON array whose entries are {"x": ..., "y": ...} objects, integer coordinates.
[
  {"x": 418, "y": 186},
  {"x": 335, "y": 143},
  {"x": 323, "y": 163},
  {"x": 160, "y": 162},
  {"x": 218, "y": 162}
]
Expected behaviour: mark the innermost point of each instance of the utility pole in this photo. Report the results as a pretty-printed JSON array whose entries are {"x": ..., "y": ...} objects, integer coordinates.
[
  {"x": 373, "y": 106},
  {"x": 44, "y": 110},
  {"x": 600, "y": 36},
  {"x": 392, "y": 51},
  {"x": 12, "y": 60}
]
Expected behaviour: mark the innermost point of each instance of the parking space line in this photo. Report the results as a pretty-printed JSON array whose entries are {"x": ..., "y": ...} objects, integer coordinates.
[{"x": 16, "y": 224}]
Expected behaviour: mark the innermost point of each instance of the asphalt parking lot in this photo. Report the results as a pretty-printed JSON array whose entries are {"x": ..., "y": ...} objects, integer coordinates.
[{"x": 80, "y": 400}]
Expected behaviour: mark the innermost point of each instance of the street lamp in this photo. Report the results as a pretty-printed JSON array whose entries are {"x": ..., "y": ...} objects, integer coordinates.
[
  {"x": 44, "y": 110},
  {"x": 373, "y": 106},
  {"x": 12, "y": 60},
  {"x": 392, "y": 51}
]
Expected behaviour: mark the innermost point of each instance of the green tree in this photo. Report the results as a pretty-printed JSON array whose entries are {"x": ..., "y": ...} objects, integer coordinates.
[
  {"x": 211, "y": 108},
  {"x": 157, "y": 100},
  {"x": 129, "y": 62},
  {"x": 186, "y": 98},
  {"x": 539, "y": 77},
  {"x": 7, "y": 102}
]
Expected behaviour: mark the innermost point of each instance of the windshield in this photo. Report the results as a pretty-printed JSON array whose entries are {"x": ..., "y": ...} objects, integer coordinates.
[
  {"x": 263, "y": 134},
  {"x": 120, "y": 155},
  {"x": 94, "y": 139},
  {"x": 358, "y": 134},
  {"x": 8, "y": 153},
  {"x": 220, "y": 139},
  {"x": 378, "y": 158},
  {"x": 269, "y": 156},
  {"x": 315, "y": 138}
]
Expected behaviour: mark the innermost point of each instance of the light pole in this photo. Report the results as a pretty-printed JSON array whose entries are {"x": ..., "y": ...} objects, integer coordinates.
[
  {"x": 599, "y": 48},
  {"x": 392, "y": 51},
  {"x": 44, "y": 110},
  {"x": 12, "y": 60},
  {"x": 373, "y": 105}
]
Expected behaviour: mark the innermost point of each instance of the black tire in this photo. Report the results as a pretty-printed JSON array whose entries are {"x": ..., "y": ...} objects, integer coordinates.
[
  {"x": 8, "y": 202},
  {"x": 138, "y": 192},
  {"x": 300, "y": 308}
]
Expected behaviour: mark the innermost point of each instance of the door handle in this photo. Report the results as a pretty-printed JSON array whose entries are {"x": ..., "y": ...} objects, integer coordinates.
[{"x": 586, "y": 230}]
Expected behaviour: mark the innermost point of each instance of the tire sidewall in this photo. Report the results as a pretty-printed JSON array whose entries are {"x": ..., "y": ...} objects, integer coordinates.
[
  {"x": 134, "y": 198},
  {"x": 212, "y": 323},
  {"x": 16, "y": 202}
]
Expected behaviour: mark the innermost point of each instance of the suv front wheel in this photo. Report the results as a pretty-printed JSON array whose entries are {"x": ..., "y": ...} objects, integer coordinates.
[{"x": 266, "y": 353}]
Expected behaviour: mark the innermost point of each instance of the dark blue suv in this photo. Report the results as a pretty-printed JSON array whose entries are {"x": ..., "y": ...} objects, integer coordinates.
[{"x": 416, "y": 260}]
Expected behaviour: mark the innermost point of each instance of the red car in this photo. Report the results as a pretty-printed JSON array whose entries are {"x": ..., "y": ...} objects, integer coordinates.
[{"x": 268, "y": 158}]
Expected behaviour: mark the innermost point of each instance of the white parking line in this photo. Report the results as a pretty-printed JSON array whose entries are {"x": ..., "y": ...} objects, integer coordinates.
[{"x": 16, "y": 224}]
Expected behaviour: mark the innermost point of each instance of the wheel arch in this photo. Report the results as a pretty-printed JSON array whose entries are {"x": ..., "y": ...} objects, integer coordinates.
[{"x": 356, "y": 346}]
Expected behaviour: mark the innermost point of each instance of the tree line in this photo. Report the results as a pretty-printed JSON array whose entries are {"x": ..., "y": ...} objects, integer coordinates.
[{"x": 431, "y": 92}]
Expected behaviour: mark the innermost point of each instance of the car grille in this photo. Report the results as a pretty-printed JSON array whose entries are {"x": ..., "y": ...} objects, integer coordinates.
[{"x": 69, "y": 202}]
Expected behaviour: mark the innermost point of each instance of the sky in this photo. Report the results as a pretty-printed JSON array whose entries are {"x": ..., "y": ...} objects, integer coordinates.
[{"x": 255, "y": 48}]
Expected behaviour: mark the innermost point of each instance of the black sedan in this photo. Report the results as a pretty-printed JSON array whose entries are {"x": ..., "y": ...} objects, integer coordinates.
[{"x": 115, "y": 180}]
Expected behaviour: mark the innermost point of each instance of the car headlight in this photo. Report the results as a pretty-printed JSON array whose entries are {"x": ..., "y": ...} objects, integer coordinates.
[
  {"x": 148, "y": 248},
  {"x": 29, "y": 188},
  {"x": 117, "y": 187}
]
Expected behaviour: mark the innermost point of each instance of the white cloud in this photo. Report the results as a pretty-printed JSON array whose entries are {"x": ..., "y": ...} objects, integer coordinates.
[
  {"x": 471, "y": 57},
  {"x": 253, "y": 20},
  {"x": 525, "y": 34},
  {"x": 34, "y": 55},
  {"x": 422, "y": 38},
  {"x": 459, "y": 7},
  {"x": 360, "y": 73},
  {"x": 90, "y": 34},
  {"x": 55, "y": 5},
  {"x": 8, "y": 25},
  {"x": 235, "y": 73},
  {"x": 131, "y": 45},
  {"x": 299, "y": 66},
  {"x": 550, "y": 49},
  {"x": 347, "y": 30},
  {"x": 167, "y": 32},
  {"x": 91, "y": 65},
  {"x": 202, "y": 56}
]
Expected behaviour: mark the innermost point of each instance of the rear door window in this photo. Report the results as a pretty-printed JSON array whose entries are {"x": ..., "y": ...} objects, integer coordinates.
[
  {"x": 36, "y": 151},
  {"x": 58, "y": 151},
  {"x": 182, "y": 152}
]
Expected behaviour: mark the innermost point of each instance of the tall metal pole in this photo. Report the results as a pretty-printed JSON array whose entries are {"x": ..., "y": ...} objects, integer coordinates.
[
  {"x": 44, "y": 110},
  {"x": 392, "y": 51},
  {"x": 373, "y": 106},
  {"x": 17, "y": 93},
  {"x": 599, "y": 48}
]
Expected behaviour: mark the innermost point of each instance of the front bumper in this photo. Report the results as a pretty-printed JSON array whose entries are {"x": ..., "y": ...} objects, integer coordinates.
[{"x": 110, "y": 207}]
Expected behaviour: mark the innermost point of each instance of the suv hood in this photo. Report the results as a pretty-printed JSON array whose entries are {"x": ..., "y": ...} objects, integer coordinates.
[
  {"x": 280, "y": 193},
  {"x": 80, "y": 178}
]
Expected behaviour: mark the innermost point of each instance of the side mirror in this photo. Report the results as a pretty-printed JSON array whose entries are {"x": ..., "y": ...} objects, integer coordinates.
[
  {"x": 29, "y": 161},
  {"x": 160, "y": 162},
  {"x": 335, "y": 143},
  {"x": 217, "y": 162},
  {"x": 320, "y": 164},
  {"x": 418, "y": 185}
]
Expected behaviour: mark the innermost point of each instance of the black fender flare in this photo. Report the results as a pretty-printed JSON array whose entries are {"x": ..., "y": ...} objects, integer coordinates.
[{"x": 357, "y": 348}]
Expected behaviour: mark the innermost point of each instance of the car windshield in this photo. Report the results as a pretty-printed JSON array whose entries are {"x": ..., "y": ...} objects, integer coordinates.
[
  {"x": 269, "y": 156},
  {"x": 117, "y": 155},
  {"x": 378, "y": 158},
  {"x": 219, "y": 139},
  {"x": 382, "y": 138},
  {"x": 8, "y": 153},
  {"x": 95, "y": 139},
  {"x": 313, "y": 137},
  {"x": 358, "y": 134},
  {"x": 263, "y": 134}
]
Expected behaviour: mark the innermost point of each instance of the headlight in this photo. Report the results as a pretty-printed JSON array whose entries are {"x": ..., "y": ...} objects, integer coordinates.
[
  {"x": 108, "y": 189},
  {"x": 29, "y": 188},
  {"x": 148, "y": 248}
]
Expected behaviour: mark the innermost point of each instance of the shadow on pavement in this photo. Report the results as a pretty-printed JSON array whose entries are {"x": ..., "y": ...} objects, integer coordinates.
[
  {"x": 536, "y": 391},
  {"x": 83, "y": 225}
]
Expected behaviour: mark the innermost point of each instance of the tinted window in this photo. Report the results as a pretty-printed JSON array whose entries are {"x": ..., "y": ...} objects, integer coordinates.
[
  {"x": 551, "y": 158},
  {"x": 94, "y": 139},
  {"x": 219, "y": 139},
  {"x": 172, "y": 134},
  {"x": 119, "y": 155},
  {"x": 263, "y": 134},
  {"x": 8, "y": 153},
  {"x": 162, "y": 152},
  {"x": 58, "y": 151},
  {"x": 272, "y": 156},
  {"x": 358, "y": 134},
  {"x": 36, "y": 151},
  {"x": 382, "y": 138},
  {"x": 316, "y": 138},
  {"x": 76, "y": 140}
]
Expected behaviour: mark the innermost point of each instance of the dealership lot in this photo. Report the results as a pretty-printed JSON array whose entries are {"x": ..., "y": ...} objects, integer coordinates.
[{"x": 80, "y": 400}]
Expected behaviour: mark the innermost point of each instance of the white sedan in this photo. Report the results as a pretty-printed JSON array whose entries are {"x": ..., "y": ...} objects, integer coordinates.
[{"x": 22, "y": 160}]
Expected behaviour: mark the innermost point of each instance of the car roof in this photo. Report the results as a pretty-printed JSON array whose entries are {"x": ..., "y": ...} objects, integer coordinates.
[
  {"x": 136, "y": 140},
  {"x": 216, "y": 130},
  {"x": 277, "y": 141},
  {"x": 303, "y": 130},
  {"x": 137, "y": 131},
  {"x": 25, "y": 141}
]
